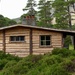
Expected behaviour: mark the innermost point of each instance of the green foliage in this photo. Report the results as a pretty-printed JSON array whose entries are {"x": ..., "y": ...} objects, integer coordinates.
[
  {"x": 12, "y": 22},
  {"x": 61, "y": 13},
  {"x": 42, "y": 24},
  {"x": 58, "y": 70},
  {"x": 4, "y": 21},
  {"x": 51, "y": 60},
  {"x": 59, "y": 62},
  {"x": 44, "y": 13},
  {"x": 30, "y": 7},
  {"x": 22, "y": 16},
  {"x": 12, "y": 57},
  {"x": 3, "y": 63},
  {"x": 10, "y": 64},
  {"x": 5, "y": 58},
  {"x": 69, "y": 65},
  {"x": 8, "y": 56},
  {"x": 63, "y": 52},
  {"x": 73, "y": 27},
  {"x": 67, "y": 41}
]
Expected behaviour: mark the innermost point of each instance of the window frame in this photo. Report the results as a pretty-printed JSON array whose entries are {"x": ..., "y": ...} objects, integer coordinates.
[
  {"x": 45, "y": 41},
  {"x": 15, "y": 38}
]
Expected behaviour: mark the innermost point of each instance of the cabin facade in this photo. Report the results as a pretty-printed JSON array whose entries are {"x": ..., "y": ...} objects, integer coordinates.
[{"x": 22, "y": 40}]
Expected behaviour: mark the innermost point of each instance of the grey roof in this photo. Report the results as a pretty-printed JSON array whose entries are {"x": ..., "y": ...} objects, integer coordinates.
[{"x": 36, "y": 27}]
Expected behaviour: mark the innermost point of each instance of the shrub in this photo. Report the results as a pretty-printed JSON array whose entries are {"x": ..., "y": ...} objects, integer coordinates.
[
  {"x": 63, "y": 52},
  {"x": 7, "y": 72},
  {"x": 48, "y": 61},
  {"x": 2, "y": 55},
  {"x": 33, "y": 58},
  {"x": 3, "y": 62},
  {"x": 12, "y": 57},
  {"x": 60, "y": 62},
  {"x": 36, "y": 58},
  {"x": 33, "y": 72},
  {"x": 8, "y": 56},
  {"x": 72, "y": 53},
  {"x": 56, "y": 69},
  {"x": 23, "y": 66},
  {"x": 10, "y": 64},
  {"x": 69, "y": 65}
]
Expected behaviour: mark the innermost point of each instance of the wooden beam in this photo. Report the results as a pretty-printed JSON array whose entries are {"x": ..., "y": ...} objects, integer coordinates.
[
  {"x": 63, "y": 39},
  {"x": 74, "y": 41},
  {"x": 4, "y": 43},
  {"x": 31, "y": 46}
]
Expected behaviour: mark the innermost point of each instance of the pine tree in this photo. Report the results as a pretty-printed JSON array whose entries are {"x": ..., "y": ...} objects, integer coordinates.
[
  {"x": 62, "y": 13},
  {"x": 30, "y": 7},
  {"x": 44, "y": 13}
]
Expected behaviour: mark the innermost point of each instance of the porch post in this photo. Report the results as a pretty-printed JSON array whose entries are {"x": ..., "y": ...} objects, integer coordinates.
[
  {"x": 74, "y": 42},
  {"x": 31, "y": 51},
  {"x": 4, "y": 43},
  {"x": 63, "y": 39}
]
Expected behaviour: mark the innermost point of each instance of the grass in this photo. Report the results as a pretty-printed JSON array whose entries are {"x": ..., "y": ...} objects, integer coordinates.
[
  {"x": 73, "y": 73},
  {"x": 71, "y": 47},
  {"x": 0, "y": 73}
]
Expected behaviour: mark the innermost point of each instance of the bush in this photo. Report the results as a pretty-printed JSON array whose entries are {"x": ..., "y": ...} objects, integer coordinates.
[
  {"x": 60, "y": 62},
  {"x": 52, "y": 59},
  {"x": 10, "y": 64},
  {"x": 33, "y": 58},
  {"x": 69, "y": 65},
  {"x": 72, "y": 53},
  {"x": 2, "y": 55},
  {"x": 23, "y": 66},
  {"x": 34, "y": 71},
  {"x": 57, "y": 70},
  {"x": 8, "y": 56},
  {"x": 3, "y": 62},
  {"x": 63, "y": 52},
  {"x": 12, "y": 57},
  {"x": 5, "y": 58}
]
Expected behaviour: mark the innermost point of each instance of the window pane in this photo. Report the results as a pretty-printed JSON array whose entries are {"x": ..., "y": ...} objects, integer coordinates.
[
  {"x": 42, "y": 37},
  {"x": 43, "y": 42},
  {"x": 12, "y": 38},
  {"x": 47, "y": 37},
  {"x": 21, "y": 38},
  {"x": 17, "y": 38},
  {"x": 47, "y": 42}
]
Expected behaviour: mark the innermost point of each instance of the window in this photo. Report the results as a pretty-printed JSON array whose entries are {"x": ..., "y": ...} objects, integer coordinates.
[
  {"x": 17, "y": 38},
  {"x": 45, "y": 40}
]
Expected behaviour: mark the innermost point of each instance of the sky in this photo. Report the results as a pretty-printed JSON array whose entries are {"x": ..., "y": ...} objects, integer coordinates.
[{"x": 12, "y": 8}]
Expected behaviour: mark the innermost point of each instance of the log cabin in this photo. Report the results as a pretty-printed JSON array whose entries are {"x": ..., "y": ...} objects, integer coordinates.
[{"x": 22, "y": 40}]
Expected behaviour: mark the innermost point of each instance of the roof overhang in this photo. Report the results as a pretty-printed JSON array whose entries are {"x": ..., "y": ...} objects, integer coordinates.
[{"x": 69, "y": 32}]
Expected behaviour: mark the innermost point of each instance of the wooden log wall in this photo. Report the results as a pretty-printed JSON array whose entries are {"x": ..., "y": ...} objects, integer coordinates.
[
  {"x": 1, "y": 40},
  {"x": 18, "y": 48},
  {"x": 23, "y": 49},
  {"x": 56, "y": 41}
]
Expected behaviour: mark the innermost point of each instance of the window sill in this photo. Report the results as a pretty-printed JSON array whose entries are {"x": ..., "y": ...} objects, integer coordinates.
[
  {"x": 17, "y": 42},
  {"x": 46, "y": 46}
]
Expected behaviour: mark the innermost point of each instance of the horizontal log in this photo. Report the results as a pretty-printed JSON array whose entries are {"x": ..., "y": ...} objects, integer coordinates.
[
  {"x": 43, "y": 49},
  {"x": 38, "y": 53},
  {"x": 17, "y": 51}
]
